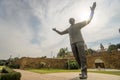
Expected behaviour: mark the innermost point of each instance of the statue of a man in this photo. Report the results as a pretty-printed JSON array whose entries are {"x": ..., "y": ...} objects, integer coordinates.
[{"x": 77, "y": 42}]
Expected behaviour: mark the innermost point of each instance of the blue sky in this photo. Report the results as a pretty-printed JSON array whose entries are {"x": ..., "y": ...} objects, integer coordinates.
[{"x": 26, "y": 25}]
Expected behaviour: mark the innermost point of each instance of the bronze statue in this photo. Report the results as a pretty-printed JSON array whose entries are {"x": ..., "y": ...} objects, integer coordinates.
[{"x": 77, "y": 42}]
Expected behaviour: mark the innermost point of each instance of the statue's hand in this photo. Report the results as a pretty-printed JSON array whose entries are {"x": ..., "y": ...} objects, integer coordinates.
[
  {"x": 93, "y": 6},
  {"x": 54, "y": 29}
]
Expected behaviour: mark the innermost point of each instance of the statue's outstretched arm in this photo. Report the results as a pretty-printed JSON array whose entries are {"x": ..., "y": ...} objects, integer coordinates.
[
  {"x": 84, "y": 23},
  {"x": 61, "y": 32},
  {"x": 92, "y": 12}
]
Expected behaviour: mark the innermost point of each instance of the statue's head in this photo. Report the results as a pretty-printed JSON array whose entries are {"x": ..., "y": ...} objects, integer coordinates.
[{"x": 72, "y": 21}]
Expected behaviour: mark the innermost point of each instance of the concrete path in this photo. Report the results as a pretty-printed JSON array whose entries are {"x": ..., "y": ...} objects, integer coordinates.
[{"x": 26, "y": 75}]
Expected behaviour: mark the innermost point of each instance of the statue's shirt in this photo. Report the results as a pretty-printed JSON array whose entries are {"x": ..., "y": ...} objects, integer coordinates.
[{"x": 74, "y": 32}]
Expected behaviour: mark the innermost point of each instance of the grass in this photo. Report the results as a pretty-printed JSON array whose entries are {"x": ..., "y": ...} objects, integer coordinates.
[
  {"x": 1, "y": 67},
  {"x": 45, "y": 71},
  {"x": 7, "y": 68},
  {"x": 107, "y": 72}
]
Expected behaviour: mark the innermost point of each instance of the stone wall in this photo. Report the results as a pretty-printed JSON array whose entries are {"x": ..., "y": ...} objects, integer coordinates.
[
  {"x": 47, "y": 63},
  {"x": 111, "y": 60}
]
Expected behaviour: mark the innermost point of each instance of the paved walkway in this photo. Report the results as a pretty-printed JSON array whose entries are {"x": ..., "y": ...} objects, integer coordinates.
[{"x": 26, "y": 75}]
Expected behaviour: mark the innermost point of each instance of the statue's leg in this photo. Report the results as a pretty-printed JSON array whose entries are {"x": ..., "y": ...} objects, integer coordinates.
[
  {"x": 82, "y": 57},
  {"x": 76, "y": 54}
]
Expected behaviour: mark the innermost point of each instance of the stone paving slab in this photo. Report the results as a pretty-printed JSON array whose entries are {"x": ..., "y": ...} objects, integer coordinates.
[
  {"x": 26, "y": 75},
  {"x": 91, "y": 76}
]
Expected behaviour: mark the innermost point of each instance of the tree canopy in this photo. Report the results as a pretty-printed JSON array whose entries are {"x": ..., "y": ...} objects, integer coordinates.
[{"x": 62, "y": 52}]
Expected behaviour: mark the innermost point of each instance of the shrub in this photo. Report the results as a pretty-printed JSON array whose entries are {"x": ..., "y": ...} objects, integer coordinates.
[
  {"x": 7, "y": 69},
  {"x": 4, "y": 70},
  {"x": 10, "y": 75},
  {"x": 72, "y": 64},
  {"x": 15, "y": 66},
  {"x": 42, "y": 64}
]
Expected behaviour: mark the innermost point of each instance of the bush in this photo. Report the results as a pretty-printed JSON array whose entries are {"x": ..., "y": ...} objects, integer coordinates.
[
  {"x": 72, "y": 65},
  {"x": 7, "y": 69},
  {"x": 4, "y": 70},
  {"x": 10, "y": 75},
  {"x": 42, "y": 64},
  {"x": 15, "y": 66}
]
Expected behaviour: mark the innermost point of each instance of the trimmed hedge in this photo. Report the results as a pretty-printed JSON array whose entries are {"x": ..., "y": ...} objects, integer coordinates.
[{"x": 11, "y": 75}]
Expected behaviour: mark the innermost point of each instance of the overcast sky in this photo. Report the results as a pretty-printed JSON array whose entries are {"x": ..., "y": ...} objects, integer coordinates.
[{"x": 26, "y": 25}]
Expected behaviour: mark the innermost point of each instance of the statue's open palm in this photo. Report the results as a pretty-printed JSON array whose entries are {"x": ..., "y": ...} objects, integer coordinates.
[{"x": 93, "y": 6}]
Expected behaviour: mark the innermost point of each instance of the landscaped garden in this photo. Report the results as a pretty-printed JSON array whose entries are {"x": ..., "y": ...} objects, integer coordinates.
[{"x": 9, "y": 74}]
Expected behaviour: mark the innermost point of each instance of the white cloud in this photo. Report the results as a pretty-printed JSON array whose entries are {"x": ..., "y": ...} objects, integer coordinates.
[
  {"x": 26, "y": 26},
  {"x": 101, "y": 26}
]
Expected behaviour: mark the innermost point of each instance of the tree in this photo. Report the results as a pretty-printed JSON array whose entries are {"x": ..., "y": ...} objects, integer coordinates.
[
  {"x": 43, "y": 57},
  {"x": 118, "y": 46},
  {"x": 111, "y": 48},
  {"x": 102, "y": 47},
  {"x": 62, "y": 52},
  {"x": 90, "y": 51}
]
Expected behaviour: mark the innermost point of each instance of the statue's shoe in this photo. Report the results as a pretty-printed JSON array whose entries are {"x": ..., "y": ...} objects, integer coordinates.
[{"x": 82, "y": 76}]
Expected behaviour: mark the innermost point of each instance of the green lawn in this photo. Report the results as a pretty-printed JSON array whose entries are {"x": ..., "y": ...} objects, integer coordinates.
[
  {"x": 107, "y": 72},
  {"x": 45, "y": 71},
  {"x": 7, "y": 68},
  {"x": 1, "y": 67}
]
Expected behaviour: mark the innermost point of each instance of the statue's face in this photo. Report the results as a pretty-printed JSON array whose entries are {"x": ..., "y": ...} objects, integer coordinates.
[{"x": 72, "y": 21}]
